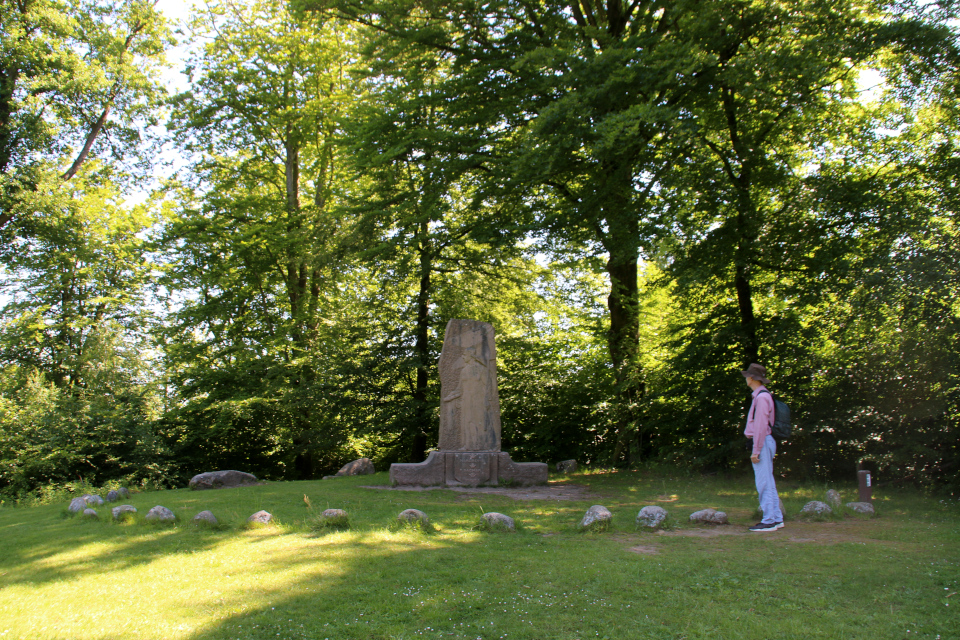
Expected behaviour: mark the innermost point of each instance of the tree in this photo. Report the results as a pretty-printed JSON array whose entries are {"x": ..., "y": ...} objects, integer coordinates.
[
  {"x": 78, "y": 385},
  {"x": 77, "y": 79},
  {"x": 252, "y": 245},
  {"x": 80, "y": 279},
  {"x": 419, "y": 214},
  {"x": 580, "y": 105},
  {"x": 793, "y": 189}
]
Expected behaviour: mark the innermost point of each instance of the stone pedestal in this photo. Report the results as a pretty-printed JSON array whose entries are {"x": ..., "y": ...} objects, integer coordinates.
[{"x": 469, "y": 469}]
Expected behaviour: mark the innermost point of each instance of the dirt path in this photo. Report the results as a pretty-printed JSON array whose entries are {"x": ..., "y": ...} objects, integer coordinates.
[{"x": 816, "y": 533}]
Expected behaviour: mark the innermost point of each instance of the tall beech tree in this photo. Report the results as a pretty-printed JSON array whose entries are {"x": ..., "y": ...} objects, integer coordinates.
[
  {"x": 581, "y": 104},
  {"x": 78, "y": 80},
  {"x": 251, "y": 244},
  {"x": 420, "y": 215},
  {"x": 792, "y": 189}
]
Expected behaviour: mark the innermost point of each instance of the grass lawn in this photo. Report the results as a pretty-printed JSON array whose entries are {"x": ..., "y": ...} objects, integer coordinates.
[{"x": 893, "y": 576}]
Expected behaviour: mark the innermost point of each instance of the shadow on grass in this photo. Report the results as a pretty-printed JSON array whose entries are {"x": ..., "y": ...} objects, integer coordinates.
[{"x": 369, "y": 582}]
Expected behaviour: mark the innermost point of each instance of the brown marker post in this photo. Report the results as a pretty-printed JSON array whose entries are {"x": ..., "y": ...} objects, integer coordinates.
[{"x": 866, "y": 483}]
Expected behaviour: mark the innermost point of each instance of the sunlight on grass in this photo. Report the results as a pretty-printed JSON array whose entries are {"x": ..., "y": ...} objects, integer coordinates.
[{"x": 68, "y": 579}]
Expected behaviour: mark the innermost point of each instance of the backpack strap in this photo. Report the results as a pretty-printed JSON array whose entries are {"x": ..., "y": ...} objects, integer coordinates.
[{"x": 773, "y": 418}]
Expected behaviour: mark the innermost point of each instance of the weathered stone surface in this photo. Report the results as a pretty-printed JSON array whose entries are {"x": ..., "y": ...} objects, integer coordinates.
[
  {"x": 709, "y": 516},
  {"x": 92, "y": 499},
  {"x": 567, "y": 466},
  {"x": 456, "y": 468},
  {"x": 124, "y": 492},
  {"x": 205, "y": 517},
  {"x": 861, "y": 507},
  {"x": 597, "y": 516},
  {"x": 833, "y": 498},
  {"x": 410, "y": 516},
  {"x": 90, "y": 513},
  {"x": 260, "y": 517},
  {"x": 160, "y": 514},
  {"x": 77, "y": 505},
  {"x": 498, "y": 522},
  {"x": 361, "y": 467},
  {"x": 651, "y": 516},
  {"x": 221, "y": 479},
  {"x": 469, "y": 448},
  {"x": 816, "y": 508},
  {"x": 113, "y": 496},
  {"x": 470, "y": 404},
  {"x": 124, "y": 510}
]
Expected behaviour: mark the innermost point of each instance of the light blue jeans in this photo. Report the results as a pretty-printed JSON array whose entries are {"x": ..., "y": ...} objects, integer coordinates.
[{"x": 766, "y": 485}]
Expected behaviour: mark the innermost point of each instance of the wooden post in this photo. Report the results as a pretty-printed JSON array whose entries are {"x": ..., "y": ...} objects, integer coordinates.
[{"x": 866, "y": 483}]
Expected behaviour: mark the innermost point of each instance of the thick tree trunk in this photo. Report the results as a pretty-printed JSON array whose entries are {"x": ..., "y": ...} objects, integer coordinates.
[
  {"x": 422, "y": 417},
  {"x": 296, "y": 269},
  {"x": 747, "y": 319},
  {"x": 741, "y": 283},
  {"x": 623, "y": 342},
  {"x": 8, "y": 85}
]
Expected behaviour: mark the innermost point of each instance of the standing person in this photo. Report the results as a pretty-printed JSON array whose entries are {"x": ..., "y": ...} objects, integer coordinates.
[{"x": 759, "y": 420}]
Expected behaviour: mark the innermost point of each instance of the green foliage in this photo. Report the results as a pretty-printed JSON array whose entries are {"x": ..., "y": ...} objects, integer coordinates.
[
  {"x": 51, "y": 436},
  {"x": 78, "y": 384},
  {"x": 79, "y": 81}
]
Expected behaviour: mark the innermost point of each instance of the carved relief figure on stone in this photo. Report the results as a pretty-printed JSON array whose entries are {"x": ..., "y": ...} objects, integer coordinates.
[{"x": 470, "y": 410}]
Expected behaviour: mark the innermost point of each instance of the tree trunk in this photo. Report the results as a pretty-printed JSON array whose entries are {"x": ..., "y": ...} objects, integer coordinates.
[
  {"x": 422, "y": 417},
  {"x": 8, "y": 85},
  {"x": 741, "y": 282},
  {"x": 296, "y": 269},
  {"x": 91, "y": 137},
  {"x": 748, "y": 326},
  {"x": 623, "y": 342}
]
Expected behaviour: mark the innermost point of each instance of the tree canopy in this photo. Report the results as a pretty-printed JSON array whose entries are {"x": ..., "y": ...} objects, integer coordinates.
[{"x": 643, "y": 197}]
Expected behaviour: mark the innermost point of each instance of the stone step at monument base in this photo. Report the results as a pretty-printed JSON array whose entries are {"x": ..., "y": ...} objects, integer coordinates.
[{"x": 467, "y": 468}]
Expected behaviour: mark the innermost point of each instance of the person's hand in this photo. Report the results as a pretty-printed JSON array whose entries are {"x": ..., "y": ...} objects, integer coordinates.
[{"x": 755, "y": 458}]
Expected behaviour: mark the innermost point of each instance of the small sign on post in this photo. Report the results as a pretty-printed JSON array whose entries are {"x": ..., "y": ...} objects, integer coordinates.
[{"x": 866, "y": 490}]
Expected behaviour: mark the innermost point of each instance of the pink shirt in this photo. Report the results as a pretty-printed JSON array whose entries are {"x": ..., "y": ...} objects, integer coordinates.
[{"x": 759, "y": 418}]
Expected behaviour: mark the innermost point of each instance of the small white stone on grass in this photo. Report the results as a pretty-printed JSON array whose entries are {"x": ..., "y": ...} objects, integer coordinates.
[
  {"x": 709, "y": 516},
  {"x": 122, "y": 511},
  {"x": 498, "y": 522},
  {"x": 337, "y": 519},
  {"x": 651, "y": 516},
  {"x": 861, "y": 507},
  {"x": 816, "y": 508},
  {"x": 411, "y": 516},
  {"x": 90, "y": 513},
  {"x": 205, "y": 517},
  {"x": 77, "y": 505},
  {"x": 160, "y": 514},
  {"x": 92, "y": 499},
  {"x": 260, "y": 517},
  {"x": 596, "y": 517},
  {"x": 113, "y": 496}
]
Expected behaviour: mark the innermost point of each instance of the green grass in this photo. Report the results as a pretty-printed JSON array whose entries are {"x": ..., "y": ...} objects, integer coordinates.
[{"x": 892, "y": 576}]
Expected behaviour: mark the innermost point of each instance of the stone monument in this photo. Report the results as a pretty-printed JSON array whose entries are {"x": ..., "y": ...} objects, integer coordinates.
[{"x": 469, "y": 448}]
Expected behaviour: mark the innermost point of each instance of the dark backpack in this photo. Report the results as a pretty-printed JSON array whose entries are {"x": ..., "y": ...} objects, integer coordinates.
[{"x": 781, "y": 427}]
